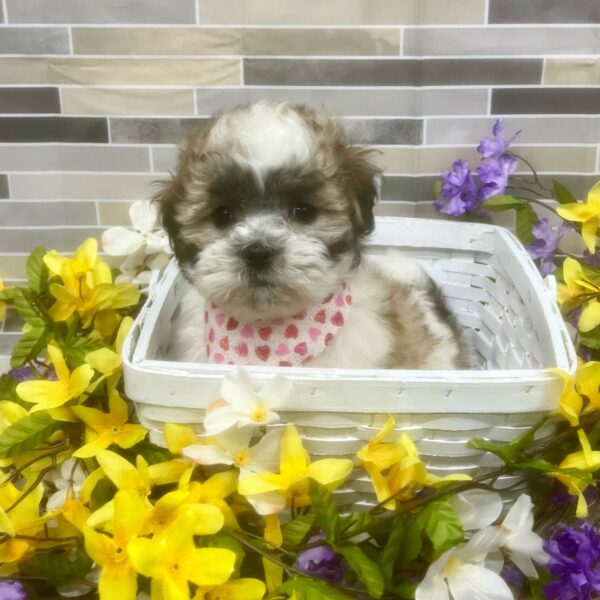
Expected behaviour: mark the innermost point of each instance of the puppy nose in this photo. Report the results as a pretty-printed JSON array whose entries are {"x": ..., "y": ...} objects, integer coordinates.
[{"x": 257, "y": 254}]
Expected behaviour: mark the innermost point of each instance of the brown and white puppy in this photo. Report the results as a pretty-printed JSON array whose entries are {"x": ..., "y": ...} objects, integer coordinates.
[{"x": 266, "y": 213}]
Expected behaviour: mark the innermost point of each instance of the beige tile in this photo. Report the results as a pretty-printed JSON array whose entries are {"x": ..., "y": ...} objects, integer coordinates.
[
  {"x": 578, "y": 159},
  {"x": 572, "y": 71},
  {"x": 341, "y": 12},
  {"x": 81, "y": 186},
  {"x": 207, "y": 41},
  {"x": 107, "y": 101},
  {"x": 113, "y": 214},
  {"x": 13, "y": 266},
  {"x": 110, "y": 71}
]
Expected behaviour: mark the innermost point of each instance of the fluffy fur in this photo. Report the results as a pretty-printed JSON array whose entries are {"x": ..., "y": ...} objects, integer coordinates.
[{"x": 266, "y": 213}]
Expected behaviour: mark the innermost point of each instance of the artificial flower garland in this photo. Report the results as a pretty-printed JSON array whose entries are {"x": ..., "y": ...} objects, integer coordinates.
[{"x": 240, "y": 511}]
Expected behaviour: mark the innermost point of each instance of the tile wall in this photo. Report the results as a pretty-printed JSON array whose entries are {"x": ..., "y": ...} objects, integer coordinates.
[{"x": 95, "y": 94}]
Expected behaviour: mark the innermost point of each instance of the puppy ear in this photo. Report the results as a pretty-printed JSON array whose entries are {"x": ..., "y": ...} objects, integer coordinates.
[{"x": 363, "y": 179}]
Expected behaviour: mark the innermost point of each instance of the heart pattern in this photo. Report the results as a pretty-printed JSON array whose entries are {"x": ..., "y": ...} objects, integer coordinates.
[{"x": 290, "y": 342}]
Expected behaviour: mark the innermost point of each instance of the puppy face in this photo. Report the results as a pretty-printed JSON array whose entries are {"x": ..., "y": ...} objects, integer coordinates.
[{"x": 267, "y": 209}]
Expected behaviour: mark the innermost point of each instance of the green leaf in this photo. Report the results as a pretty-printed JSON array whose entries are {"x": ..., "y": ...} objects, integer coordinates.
[
  {"x": 591, "y": 339},
  {"x": 7, "y": 294},
  {"x": 29, "y": 346},
  {"x": 366, "y": 570},
  {"x": 58, "y": 568},
  {"x": 562, "y": 194},
  {"x": 501, "y": 450},
  {"x": 411, "y": 542},
  {"x": 502, "y": 202},
  {"x": 325, "y": 509},
  {"x": 37, "y": 271},
  {"x": 437, "y": 189},
  {"x": 27, "y": 434},
  {"x": 350, "y": 524},
  {"x": 391, "y": 550},
  {"x": 526, "y": 217},
  {"x": 295, "y": 531},
  {"x": 76, "y": 347},
  {"x": 442, "y": 526},
  {"x": 27, "y": 309},
  {"x": 311, "y": 589},
  {"x": 8, "y": 388},
  {"x": 222, "y": 540},
  {"x": 152, "y": 453}
]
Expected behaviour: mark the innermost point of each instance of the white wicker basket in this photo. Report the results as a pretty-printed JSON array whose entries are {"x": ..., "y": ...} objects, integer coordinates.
[{"x": 498, "y": 297}]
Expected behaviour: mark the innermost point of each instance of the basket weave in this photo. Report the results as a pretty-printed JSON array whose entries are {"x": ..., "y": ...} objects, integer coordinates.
[{"x": 507, "y": 311}]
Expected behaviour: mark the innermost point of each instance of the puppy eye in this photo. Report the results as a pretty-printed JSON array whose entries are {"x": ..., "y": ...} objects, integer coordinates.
[
  {"x": 303, "y": 212},
  {"x": 222, "y": 216}
]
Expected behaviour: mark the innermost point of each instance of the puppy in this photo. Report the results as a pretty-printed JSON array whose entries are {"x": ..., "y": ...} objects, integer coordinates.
[{"x": 266, "y": 214}]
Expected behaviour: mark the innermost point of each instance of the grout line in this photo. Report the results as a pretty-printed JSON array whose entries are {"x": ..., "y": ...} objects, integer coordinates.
[
  {"x": 242, "y": 75},
  {"x": 489, "y": 101},
  {"x": 70, "y": 38},
  {"x": 544, "y": 67},
  {"x": 151, "y": 156},
  {"x": 97, "y": 206},
  {"x": 486, "y": 14},
  {"x": 197, "y": 11},
  {"x": 5, "y": 11},
  {"x": 195, "y": 101},
  {"x": 401, "y": 41},
  {"x": 8, "y": 186}
]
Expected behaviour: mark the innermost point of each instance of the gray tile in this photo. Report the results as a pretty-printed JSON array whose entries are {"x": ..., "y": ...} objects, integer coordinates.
[
  {"x": 7, "y": 341},
  {"x": 56, "y": 157},
  {"x": 34, "y": 40},
  {"x": 29, "y": 100},
  {"x": 547, "y": 100},
  {"x": 61, "y": 239},
  {"x": 487, "y": 41},
  {"x": 50, "y": 214},
  {"x": 101, "y": 11},
  {"x": 1, "y": 14},
  {"x": 164, "y": 158},
  {"x": 151, "y": 131},
  {"x": 359, "y": 102},
  {"x": 53, "y": 129},
  {"x": 384, "y": 131},
  {"x": 13, "y": 322},
  {"x": 534, "y": 130},
  {"x": 544, "y": 11},
  {"x": 386, "y": 72},
  {"x": 419, "y": 189},
  {"x": 3, "y": 186}
]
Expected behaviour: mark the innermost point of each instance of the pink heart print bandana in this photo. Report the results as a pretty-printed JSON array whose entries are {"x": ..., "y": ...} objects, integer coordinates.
[{"x": 289, "y": 342}]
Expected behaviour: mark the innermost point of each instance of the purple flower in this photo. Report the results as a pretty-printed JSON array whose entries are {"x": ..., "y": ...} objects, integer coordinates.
[
  {"x": 513, "y": 577},
  {"x": 545, "y": 244},
  {"x": 493, "y": 175},
  {"x": 497, "y": 146},
  {"x": 322, "y": 562},
  {"x": 12, "y": 590},
  {"x": 575, "y": 562},
  {"x": 459, "y": 193},
  {"x": 26, "y": 373}
]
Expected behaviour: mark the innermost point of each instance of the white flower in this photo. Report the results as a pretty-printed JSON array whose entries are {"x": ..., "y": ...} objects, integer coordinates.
[
  {"x": 122, "y": 241},
  {"x": 70, "y": 476},
  {"x": 476, "y": 509},
  {"x": 461, "y": 572},
  {"x": 521, "y": 543},
  {"x": 233, "y": 448},
  {"x": 241, "y": 405}
]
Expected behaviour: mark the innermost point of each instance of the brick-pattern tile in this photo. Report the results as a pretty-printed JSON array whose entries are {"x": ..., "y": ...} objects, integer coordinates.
[
  {"x": 29, "y": 100},
  {"x": 247, "y": 41},
  {"x": 550, "y": 101},
  {"x": 544, "y": 11},
  {"x": 34, "y": 40},
  {"x": 101, "y": 11},
  {"x": 3, "y": 186},
  {"x": 53, "y": 129},
  {"x": 46, "y": 214},
  {"x": 63, "y": 239},
  {"x": 388, "y": 72}
]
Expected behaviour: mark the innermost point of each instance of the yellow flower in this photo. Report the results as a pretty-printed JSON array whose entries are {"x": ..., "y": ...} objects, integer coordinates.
[
  {"x": 24, "y": 519},
  {"x": 177, "y": 437},
  {"x": 173, "y": 560},
  {"x": 576, "y": 290},
  {"x": 571, "y": 403},
  {"x": 269, "y": 492},
  {"x": 236, "y": 589},
  {"x": 87, "y": 287},
  {"x": 380, "y": 454},
  {"x": 118, "y": 578},
  {"x": 587, "y": 213},
  {"x": 52, "y": 394},
  {"x": 586, "y": 460},
  {"x": 588, "y": 383},
  {"x": 104, "y": 429}
]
